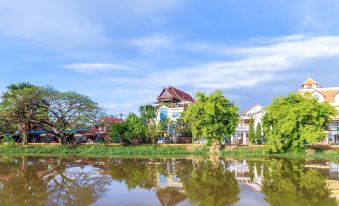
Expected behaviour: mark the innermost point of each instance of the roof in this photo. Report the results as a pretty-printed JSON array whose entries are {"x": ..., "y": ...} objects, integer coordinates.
[
  {"x": 309, "y": 80},
  {"x": 110, "y": 120},
  {"x": 172, "y": 93},
  {"x": 329, "y": 94},
  {"x": 251, "y": 108}
]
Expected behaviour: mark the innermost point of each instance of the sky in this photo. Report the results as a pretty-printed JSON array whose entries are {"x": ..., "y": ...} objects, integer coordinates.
[{"x": 123, "y": 53}]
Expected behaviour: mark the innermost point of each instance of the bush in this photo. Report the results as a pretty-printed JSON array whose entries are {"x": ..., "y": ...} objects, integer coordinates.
[{"x": 8, "y": 140}]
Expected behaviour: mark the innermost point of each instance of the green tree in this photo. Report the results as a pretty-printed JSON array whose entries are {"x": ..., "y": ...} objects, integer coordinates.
[
  {"x": 118, "y": 131},
  {"x": 60, "y": 111},
  {"x": 147, "y": 113},
  {"x": 136, "y": 129},
  {"x": 182, "y": 128},
  {"x": 258, "y": 136},
  {"x": 251, "y": 132},
  {"x": 16, "y": 108},
  {"x": 213, "y": 116},
  {"x": 293, "y": 121},
  {"x": 153, "y": 132}
]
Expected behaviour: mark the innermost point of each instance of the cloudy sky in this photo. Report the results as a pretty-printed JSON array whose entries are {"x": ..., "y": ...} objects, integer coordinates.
[{"x": 122, "y": 53}]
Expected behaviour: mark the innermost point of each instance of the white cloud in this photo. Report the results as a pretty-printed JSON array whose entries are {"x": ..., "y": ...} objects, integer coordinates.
[
  {"x": 253, "y": 65},
  {"x": 154, "y": 42},
  {"x": 95, "y": 67}
]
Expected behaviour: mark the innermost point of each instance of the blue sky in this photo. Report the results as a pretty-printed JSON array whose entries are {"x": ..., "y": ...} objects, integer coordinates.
[{"x": 122, "y": 53}]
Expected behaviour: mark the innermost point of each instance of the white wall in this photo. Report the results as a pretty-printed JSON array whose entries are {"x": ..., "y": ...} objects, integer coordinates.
[{"x": 318, "y": 96}]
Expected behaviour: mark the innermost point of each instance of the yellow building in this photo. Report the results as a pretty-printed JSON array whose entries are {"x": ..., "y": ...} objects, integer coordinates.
[{"x": 325, "y": 94}]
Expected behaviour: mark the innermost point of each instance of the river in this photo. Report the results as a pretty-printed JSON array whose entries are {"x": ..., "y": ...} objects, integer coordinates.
[{"x": 44, "y": 180}]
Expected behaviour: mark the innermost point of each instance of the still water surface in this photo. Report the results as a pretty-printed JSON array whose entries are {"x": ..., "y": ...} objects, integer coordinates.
[{"x": 29, "y": 180}]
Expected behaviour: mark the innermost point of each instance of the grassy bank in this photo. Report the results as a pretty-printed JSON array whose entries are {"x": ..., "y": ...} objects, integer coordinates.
[
  {"x": 101, "y": 150},
  {"x": 248, "y": 152},
  {"x": 162, "y": 150}
]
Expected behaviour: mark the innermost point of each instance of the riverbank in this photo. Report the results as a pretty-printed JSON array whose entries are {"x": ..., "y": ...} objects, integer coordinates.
[
  {"x": 168, "y": 150},
  {"x": 102, "y": 150}
]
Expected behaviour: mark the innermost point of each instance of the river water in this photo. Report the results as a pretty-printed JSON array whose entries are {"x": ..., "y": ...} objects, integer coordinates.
[{"x": 43, "y": 180}]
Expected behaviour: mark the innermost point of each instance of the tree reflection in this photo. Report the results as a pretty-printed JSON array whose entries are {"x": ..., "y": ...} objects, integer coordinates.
[
  {"x": 135, "y": 173},
  {"x": 211, "y": 185},
  {"x": 39, "y": 185},
  {"x": 290, "y": 183},
  {"x": 21, "y": 185}
]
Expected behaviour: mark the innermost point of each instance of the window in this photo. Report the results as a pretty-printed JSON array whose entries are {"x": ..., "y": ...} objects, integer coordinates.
[
  {"x": 317, "y": 97},
  {"x": 176, "y": 115}
]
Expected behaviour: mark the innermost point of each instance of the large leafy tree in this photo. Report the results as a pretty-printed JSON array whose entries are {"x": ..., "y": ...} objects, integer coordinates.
[
  {"x": 60, "y": 111},
  {"x": 213, "y": 117},
  {"x": 16, "y": 108},
  {"x": 136, "y": 129},
  {"x": 293, "y": 121}
]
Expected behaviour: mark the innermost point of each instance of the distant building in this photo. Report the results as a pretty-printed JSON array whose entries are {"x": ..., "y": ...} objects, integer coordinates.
[
  {"x": 171, "y": 103},
  {"x": 242, "y": 130},
  {"x": 324, "y": 94}
]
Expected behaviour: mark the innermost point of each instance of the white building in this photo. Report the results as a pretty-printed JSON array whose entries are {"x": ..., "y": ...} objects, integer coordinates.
[
  {"x": 242, "y": 130},
  {"x": 325, "y": 94},
  {"x": 171, "y": 103}
]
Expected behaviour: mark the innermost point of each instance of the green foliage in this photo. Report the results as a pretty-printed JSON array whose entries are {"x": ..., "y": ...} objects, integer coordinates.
[
  {"x": 147, "y": 113},
  {"x": 293, "y": 121},
  {"x": 17, "y": 108},
  {"x": 251, "y": 132},
  {"x": 98, "y": 150},
  {"x": 153, "y": 132},
  {"x": 8, "y": 140},
  {"x": 118, "y": 131},
  {"x": 182, "y": 128},
  {"x": 25, "y": 105},
  {"x": 135, "y": 127},
  {"x": 258, "y": 136},
  {"x": 213, "y": 116}
]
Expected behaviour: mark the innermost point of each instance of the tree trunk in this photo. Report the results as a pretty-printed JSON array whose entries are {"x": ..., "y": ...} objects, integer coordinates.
[
  {"x": 214, "y": 149},
  {"x": 24, "y": 139},
  {"x": 23, "y": 128},
  {"x": 61, "y": 139}
]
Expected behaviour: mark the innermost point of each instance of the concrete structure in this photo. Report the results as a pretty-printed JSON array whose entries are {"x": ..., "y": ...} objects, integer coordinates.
[
  {"x": 324, "y": 94},
  {"x": 171, "y": 103},
  {"x": 242, "y": 130}
]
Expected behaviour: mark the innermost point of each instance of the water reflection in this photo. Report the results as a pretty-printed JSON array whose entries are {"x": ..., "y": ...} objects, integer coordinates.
[{"x": 30, "y": 180}]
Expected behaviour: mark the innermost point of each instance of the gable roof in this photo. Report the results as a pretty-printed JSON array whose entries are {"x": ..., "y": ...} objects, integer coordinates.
[
  {"x": 172, "y": 93},
  {"x": 252, "y": 108},
  {"x": 309, "y": 81},
  {"x": 329, "y": 93}
]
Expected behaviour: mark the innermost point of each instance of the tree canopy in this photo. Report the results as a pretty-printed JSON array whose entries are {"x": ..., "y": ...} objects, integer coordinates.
[
  {"x": 47, "y": 108},
  {"x": 16, "y": 108},
  {"x": 293, "y": 121},
  {"x": 213, "y": 117}
]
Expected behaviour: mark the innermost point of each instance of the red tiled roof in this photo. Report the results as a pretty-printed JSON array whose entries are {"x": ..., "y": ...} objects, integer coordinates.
[
  {"x": 176, "y": 94},
  {"x": 111, "y": 120}
]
